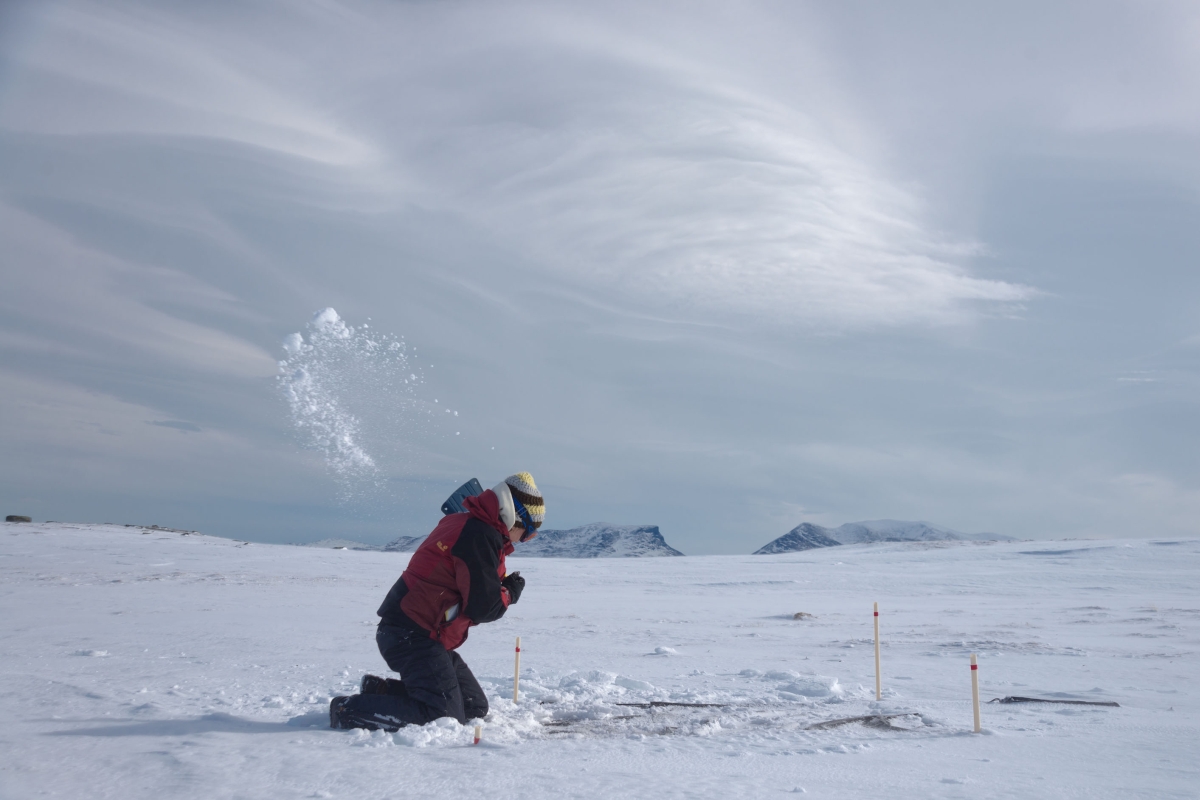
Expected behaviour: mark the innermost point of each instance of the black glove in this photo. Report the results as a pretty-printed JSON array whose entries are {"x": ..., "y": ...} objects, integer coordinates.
[{"x": 515, "y": 585}]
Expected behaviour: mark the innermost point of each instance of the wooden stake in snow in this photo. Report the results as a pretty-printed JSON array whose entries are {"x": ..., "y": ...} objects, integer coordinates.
[
  {"x": 975, "y": 689},
  {"x": 517, "y": 671},
  {"x": 878, "y": 682},
  {"x": 478, "y": 733}
]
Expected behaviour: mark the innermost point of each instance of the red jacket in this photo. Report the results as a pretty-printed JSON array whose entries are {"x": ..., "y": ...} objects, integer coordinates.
[{"x": 460, "y": 564}]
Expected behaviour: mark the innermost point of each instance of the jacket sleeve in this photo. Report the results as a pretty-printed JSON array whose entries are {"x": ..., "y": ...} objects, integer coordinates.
[{"x": 477, "y": 548}]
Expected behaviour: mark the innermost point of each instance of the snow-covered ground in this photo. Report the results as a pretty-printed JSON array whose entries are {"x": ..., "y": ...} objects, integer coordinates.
[{"x": 158, "y": 664}]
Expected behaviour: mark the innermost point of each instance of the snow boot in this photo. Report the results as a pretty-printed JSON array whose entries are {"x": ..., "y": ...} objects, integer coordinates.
[
  {"x": 373, "y": 684},
  {"x": 343, "y": 717},
  {"x": 336, "y": 711}
]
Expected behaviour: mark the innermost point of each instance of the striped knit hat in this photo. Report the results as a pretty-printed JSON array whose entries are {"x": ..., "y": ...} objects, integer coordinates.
[{"x": 525, "y": 490}]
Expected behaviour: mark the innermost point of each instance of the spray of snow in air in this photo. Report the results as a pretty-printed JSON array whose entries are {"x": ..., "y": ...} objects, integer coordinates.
[{"x": 351, "y": 393}]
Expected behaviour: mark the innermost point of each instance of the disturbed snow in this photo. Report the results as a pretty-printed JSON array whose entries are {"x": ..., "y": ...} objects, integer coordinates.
[{"x": 149, "y": 663}]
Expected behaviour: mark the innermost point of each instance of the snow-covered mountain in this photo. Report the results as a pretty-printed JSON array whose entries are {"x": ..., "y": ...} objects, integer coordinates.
[
  {"x": 806, "y": 535},
  {"x": 893, "y": 530},
  {"x": 599, "y": 540},
  {"x": 403, "y": 544}
]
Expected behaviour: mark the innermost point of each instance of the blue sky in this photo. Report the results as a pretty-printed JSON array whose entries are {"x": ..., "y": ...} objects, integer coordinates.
[{"x": 722, "y": 268}]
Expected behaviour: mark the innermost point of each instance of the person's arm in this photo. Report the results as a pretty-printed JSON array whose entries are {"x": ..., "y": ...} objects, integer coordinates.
[{"x": 487, "y": 599}]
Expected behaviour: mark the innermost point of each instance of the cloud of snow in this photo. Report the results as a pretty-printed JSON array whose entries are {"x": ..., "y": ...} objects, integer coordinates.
[{"x": 334, "y": 374}]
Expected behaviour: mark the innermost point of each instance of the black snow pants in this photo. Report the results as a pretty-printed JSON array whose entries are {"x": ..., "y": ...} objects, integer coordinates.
[{"x": 434, "y": 682}]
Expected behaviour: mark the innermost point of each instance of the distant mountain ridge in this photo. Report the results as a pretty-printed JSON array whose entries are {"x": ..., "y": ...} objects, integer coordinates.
[
  {"x": 598, "y": 540},
  {"x": 807, "y": 536},
  {"x": 804, "y": 536}
]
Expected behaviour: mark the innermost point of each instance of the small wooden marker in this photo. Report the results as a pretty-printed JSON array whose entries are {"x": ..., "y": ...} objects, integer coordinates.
[
  {"x": 878, "y": 681},
  {"x": 478, "y": 733},
  {"x": 517, "y": 672},
  {"x": 975, "y": 689}
]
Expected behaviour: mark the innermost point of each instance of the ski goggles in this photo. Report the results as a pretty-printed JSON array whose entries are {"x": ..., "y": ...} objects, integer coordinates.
[{"x": 526, "y": 520}]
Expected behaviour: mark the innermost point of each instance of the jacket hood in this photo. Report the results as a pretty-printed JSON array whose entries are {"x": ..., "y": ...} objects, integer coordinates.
[
  {"x": 508, "y": 511},
  {"x": 486, "y": 507}
]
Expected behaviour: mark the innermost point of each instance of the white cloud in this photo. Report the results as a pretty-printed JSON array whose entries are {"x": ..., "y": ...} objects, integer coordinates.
[
  {"x": 608, "y": 160},
  {"x": 666, "y": 182},
  {"x": 83, "y": 300},
  {"x": 120, "y": 69}
]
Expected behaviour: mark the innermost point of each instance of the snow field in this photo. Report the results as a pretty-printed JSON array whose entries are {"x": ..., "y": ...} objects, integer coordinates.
[{"x": 155, "y": 664}]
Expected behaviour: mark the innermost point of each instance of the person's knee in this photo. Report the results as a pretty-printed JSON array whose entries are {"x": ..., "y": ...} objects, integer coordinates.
[
  {"x": 475, "y": 704},
  {"x": 439, "y": 694},
  {"x": 429, "y": 674}
]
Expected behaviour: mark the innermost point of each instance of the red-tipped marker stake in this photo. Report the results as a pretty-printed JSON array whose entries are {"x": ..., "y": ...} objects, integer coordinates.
[
  {"x": 975, "y": 689},
  {"x": 478, "y": 733},
  {"x": 878, "y": 682},
  {"x": 517, "y": 671}
]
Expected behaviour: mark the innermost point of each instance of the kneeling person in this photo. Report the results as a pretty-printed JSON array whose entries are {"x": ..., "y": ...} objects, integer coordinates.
[{"x": 454, "y": 580}]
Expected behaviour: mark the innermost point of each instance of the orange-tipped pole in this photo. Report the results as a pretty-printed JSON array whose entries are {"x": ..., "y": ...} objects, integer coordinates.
[
  {"x": 975, "y": 690},
  {"x": 517, "y": 672},
  {"x": 878, "y": 680},
  {"x": 478, "y": 733}
]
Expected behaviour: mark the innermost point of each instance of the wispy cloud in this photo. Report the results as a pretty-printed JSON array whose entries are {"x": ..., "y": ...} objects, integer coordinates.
[
  {"x": 179, "y": 425},
  {"x": 123, "y": 69},
  {"x": 656, "y": 177},
  {"x": 603, "y": 160},
  {"x": 725, "y": 206},
  {"x": 94, "y": 303}
]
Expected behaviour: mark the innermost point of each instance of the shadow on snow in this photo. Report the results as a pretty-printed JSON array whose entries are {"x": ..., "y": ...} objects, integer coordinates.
[{"x": 209, "y": 723}]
